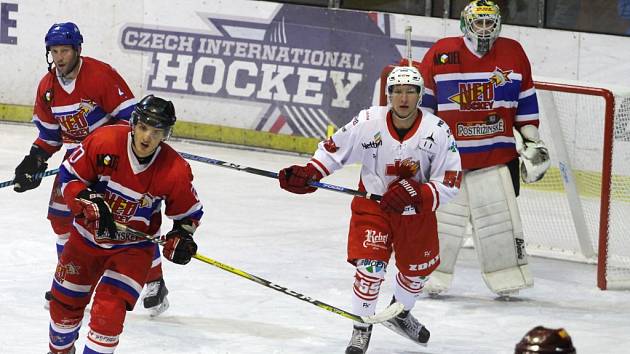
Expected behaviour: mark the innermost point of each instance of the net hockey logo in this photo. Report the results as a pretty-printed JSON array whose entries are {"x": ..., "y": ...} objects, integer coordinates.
[
  {"x": 75, "y": 123},
  {"x": 479, "y": 96},
  {"x": 375, "y": 240}
]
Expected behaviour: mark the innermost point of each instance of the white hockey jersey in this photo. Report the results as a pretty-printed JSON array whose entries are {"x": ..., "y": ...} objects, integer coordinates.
[{"x": 428, "y": 154}]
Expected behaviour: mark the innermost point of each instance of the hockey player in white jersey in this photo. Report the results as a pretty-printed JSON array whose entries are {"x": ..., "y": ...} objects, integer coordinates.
[{"x": 410, "y": 157}]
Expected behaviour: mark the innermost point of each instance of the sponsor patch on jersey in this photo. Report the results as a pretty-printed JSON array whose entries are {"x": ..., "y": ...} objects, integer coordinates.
[
  {"x": 48, "y": 96},
  {"x": 446, "y": 58},
  {"x": 374, "y": 144},
  {"x": 107, "y": 160},
  {"x": 493, "y": 125},
  {"x": 330, "y": 145},
  {"x": 416, "y": 267},
  {"x": 375, "y": 239}
]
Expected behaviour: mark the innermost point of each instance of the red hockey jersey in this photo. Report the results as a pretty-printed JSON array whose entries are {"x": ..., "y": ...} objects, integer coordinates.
[
  {"x": 480, "y": 98},
  {"x": 65, "y": 113},
  {"x": 106, "y": 163}
]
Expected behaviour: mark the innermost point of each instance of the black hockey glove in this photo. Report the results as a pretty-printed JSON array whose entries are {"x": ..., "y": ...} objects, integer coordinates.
[
  {"x": 179, "y": 246},
  {"x": 33, "y": 163},
  {"x": 98, "y": 215}
]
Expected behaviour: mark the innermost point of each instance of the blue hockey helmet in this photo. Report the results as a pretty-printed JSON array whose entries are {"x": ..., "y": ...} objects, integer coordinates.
[{"x": 65, "y": 33}]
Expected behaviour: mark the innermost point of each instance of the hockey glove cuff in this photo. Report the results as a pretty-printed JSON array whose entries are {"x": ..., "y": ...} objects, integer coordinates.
[
  {"x": 400, "y": 194},
  {"x": 295, "y": 178},
  {"x": 179, "y": 246},
  {"x": 25, "y": 173}
]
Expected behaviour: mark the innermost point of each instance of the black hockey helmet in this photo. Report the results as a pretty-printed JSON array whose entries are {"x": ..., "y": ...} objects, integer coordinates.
[
  {"x": 542, "y": 340},
  {"x": 156, "y": 112}
]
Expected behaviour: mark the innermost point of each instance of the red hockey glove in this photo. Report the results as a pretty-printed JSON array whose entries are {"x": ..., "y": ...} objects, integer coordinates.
[
  {"x": 97, "y": 213},
  {"x": 400, "y": 194},
  {"x": 295, "y": 178},
  {"x": 179, "y": 246}
]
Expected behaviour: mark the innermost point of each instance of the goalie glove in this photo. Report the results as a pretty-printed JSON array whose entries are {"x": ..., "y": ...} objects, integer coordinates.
[{"x": 533, "y": 153}]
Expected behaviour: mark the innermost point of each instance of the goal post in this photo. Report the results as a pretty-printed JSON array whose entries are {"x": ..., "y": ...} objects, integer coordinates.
[{"x": 580, "y": 210}]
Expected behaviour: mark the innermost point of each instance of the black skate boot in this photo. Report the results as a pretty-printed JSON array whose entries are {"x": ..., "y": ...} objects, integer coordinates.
[
  {"x": 155, "y": 297},
  {"x": 360, "y": 340},
  {"x": 408, "y": 326}
]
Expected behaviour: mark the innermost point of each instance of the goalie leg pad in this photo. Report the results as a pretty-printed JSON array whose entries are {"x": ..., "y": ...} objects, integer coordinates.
[
  {"x": 498, "y": 233},
  {"x": 367, "y": 285},
  {"x": 408, "y": 289},
  {"x": 453, "y": 219}
]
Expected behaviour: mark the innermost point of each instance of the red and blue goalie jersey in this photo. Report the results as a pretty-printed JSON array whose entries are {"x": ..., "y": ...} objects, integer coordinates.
[
  {"x": 65, "y": 113},
  {"x": 480, "y": 98},
  {"x": 135, "y": 193}
]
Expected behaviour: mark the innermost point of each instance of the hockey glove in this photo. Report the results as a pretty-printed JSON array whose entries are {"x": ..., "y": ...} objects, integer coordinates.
[
  {"x": 400, "y": 194},
  {"x": 533, "y": 152},
  {"x": 97, "y": 214},
  {"x": 33, "y": 163},
  {"x": 295, "y": 179},
  {"x": 179, "y": 246}
]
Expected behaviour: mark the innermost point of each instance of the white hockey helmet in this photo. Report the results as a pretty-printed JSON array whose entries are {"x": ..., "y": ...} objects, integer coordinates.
[
  {"x": 481, "y": 23},
  {"x": 405, "y": 75}
]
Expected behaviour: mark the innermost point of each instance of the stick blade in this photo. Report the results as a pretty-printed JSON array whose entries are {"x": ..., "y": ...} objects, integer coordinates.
[{"x": 390, "y": 312}]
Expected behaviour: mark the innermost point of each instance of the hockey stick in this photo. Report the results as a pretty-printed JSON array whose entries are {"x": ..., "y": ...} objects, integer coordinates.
[
  {"x": 271, "y": 174},
  {"x": 38, "y": 175},
  {"x": 390, "y": 312}
]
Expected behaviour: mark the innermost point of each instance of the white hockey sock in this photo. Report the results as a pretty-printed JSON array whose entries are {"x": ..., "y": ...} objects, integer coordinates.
[
  {"x": 408, "y": 289},
  {"x": 100, "y": 343},
  {"x": 367, "y": 284}
]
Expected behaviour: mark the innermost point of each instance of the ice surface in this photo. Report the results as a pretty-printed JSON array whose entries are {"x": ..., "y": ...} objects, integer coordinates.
[{"x": 295, "y": 241}]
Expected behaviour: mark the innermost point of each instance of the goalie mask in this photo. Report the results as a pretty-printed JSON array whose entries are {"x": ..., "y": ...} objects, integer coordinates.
[
  {"x": 156, "y": 112},
  {"x": 541, "y": 340},
  {"x": 481, "y": 23}
]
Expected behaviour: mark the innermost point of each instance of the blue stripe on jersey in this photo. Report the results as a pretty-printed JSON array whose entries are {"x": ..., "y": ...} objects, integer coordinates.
[
  {"x": 125, "y": 114},
  {"x": 428, "y": 101},
  {"x": 527, "y": 105},
  {"x": 68, "y": 292},
  {"x": 59, "y": 213},
  {"x": 48, "y": 134},
  {"x": 196, "y": 215},
  {"x": 484, "y": 148},
  {"x": 118, "y": 284},
  {"x": 65, "y": 176}
]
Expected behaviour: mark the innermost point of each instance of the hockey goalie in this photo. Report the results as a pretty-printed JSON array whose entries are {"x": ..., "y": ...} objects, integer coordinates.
[{"x": 481, "y": 85}]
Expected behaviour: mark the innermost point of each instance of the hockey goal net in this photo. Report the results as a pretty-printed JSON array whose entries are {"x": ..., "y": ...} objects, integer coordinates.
[{"x": 580, "y": 210}]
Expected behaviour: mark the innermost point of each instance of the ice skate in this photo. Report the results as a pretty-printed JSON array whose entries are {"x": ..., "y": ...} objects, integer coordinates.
[
  {"x": 155, "y": 299},
  {"x": 408, "y": 326},
  {"x": 360, "y": 340}
]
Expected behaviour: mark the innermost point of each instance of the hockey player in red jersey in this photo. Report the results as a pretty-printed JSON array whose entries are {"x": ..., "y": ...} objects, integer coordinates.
[
  {"x": 76, "y": 96},
  {"x": 119, "y": 174},
  {"x": 409, "y": 156},
  {"x": 481, "y": 85}
]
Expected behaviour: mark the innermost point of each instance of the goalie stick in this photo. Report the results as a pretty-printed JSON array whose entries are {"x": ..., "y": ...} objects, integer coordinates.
[
  {"x": 390, "y": 312},
  {"x": 37, "y": 175},
  {"x": 271, "y": 174}
]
